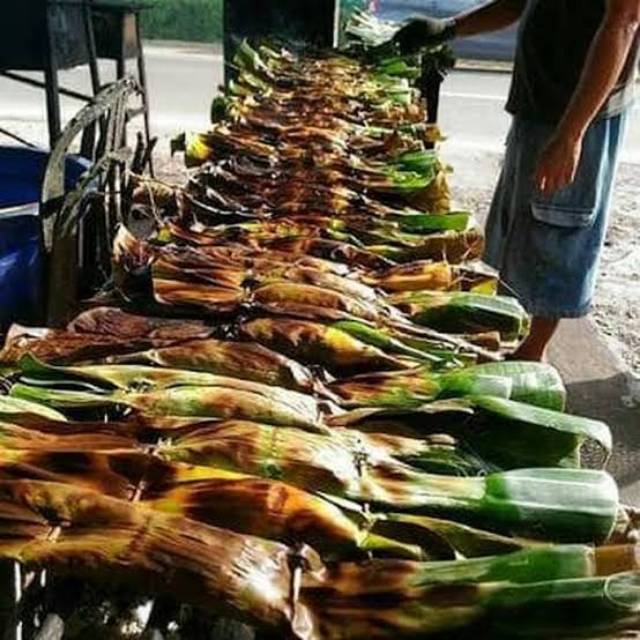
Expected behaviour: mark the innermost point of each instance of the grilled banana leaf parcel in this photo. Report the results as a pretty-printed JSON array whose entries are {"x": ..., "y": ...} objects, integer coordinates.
[
  {"x": 464, "y": 312},
  {"x": 159, "y": 332},
  {"x": 530, "y": 382},
  {"x": 246, "y": 360},
  {"x": 98, "y": 333},
  {"x": 229, "y": 398},
  {"x": 255, "y": 506},
  {"x": 531, "y": 594},
  {"x": 314, "y": 343},
  {"x": 502, "y": 432},
  {"x": 109, "y": 540},
  {"x": 549, "y": 504},
  {"x": 112, "y": 541}
]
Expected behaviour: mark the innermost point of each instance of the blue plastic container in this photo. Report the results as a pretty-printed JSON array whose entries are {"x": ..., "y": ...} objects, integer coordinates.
[{"x": 21, "y": 252}]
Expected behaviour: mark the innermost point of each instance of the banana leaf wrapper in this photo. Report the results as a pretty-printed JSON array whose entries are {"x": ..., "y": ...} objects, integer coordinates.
[
  {"x": 256, "y": 273},
  {"x": 247, "y": 360},
  {"x": 550, "y": 504},
  {"x": 115, "y": 542},
  {"x": 194, "y": 296},
  {"x": 500, "y": 597},
  {"x": 443, "y": 352},
  {"x": 428, "y": 275},
  {"x": 129, "y": 377},
  {"x": 502, "y": 432},
  {"x": 463, "y": 312},
  {"x": 453, "y": 246},
  {"x": 533, "y": 383},
  {"x": 109, "y": 461},
  {"x": 159, "y": 332},
  {"x": 260, "y": 507},
  {"x": 270, "y": 404},
  {"x": 319, "y": 344},
  {"x": 260, "y": 259},
  {"x": 58, "y": 346},
  {"x": 251, "y": 579},
  {"x": 415, "y": 276},
  {"x": 282, "y": 293},
  {"x": 99, "y": 333},
  {"x": 13, "y": 407},
  {"x": 338, "y": 459},
  {"x": 340, "y": 252}
]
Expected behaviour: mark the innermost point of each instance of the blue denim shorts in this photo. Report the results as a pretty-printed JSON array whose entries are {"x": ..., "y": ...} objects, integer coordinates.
[{"x": 547, "y": 249}]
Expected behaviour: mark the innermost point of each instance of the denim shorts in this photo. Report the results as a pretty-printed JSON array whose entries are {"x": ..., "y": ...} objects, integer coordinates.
[{"x": 547, "y": 249}]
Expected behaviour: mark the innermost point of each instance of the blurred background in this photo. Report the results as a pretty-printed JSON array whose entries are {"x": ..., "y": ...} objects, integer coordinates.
[
  {"x": 201, "y": 21},
  {"x": 496, "y": 46}
]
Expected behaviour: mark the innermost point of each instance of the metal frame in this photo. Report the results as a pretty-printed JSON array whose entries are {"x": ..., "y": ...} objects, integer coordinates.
[
  {"x": 51, "y": 68},
  {"x": 78, "y": 228}
]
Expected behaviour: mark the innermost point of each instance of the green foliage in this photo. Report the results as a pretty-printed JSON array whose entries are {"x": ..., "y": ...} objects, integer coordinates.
[
  {"x": 347, "y": 7},
  {"x": 188, "y": 20},
  {"x": 200, "y": 20}
]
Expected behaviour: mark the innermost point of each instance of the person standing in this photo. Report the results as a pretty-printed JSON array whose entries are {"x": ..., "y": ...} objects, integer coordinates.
[{"x": 570, "y": 98}]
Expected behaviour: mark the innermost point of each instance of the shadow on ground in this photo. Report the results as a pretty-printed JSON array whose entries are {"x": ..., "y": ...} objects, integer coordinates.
[{"x": 603, "y": 400}]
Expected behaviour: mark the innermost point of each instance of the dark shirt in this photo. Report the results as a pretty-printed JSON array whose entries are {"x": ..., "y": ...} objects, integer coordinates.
[{"x": 553, "y": 42}]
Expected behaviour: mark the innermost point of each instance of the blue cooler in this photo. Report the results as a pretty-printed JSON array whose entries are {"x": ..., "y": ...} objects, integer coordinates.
[{"x": 21, "y": 250}]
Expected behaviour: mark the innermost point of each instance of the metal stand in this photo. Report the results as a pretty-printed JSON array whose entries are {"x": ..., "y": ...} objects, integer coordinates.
[
  {"x": 119, "y": 38},
  {"x": 47, "y": 36},
  {"x": 70, "y": 33}
]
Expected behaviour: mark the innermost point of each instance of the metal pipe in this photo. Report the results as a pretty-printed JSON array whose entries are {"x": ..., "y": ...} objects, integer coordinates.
[{"x": 70, "y": 93}]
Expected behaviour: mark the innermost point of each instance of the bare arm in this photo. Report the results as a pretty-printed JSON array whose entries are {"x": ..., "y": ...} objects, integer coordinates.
[
  {"x": 492, "y": 16},
  {"x": 605, "y": 62}
]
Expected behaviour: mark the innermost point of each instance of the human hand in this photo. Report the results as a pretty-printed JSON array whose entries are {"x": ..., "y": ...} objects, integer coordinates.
[
  {"x": 418, "y": 33},
  {"x": 558, "y": 163}
]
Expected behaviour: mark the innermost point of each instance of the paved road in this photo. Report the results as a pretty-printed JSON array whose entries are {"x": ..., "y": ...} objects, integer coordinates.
[{"x": 183, "y": 81}]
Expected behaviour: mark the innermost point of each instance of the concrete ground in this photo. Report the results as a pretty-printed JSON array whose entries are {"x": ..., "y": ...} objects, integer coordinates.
[
  {"x": 598, "y": 356},
  {"x": 596, "y": 359},
  {"x": 600, "y": 386}
]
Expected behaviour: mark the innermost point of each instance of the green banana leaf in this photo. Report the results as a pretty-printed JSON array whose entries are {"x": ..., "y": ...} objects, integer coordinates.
[
  {"x": 448, "y": 539},
  {"x": 10, "y": 406},
  {"x": 413, "y": 388},
  {"x": 573, "y": 608},
  {"x": 502, "y": 432},
  {"x": 541, "y": 433},
  {"x": 534, "y": 383},
  {"x": 531, "y": 382},
  {"x": 383, "y": 339},
  {"x": 423, "y": 223},
  {"x": 342, "y": 352},
  {"x": 438, "y": 355},
  {"x": 415, "y": 601},
  {"x": 141, "y": 377},
  {"x": 465, "y": 312},
  {"x": 245, "y": 360},
  {"x": 193, "y": 402}
]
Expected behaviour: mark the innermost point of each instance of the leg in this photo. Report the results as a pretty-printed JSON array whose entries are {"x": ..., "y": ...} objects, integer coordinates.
[
  {"x": 549, "y": 254},
  {"x": 536, "y": 345}
]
